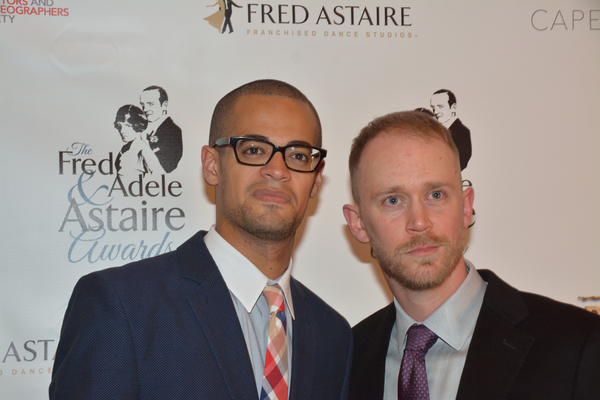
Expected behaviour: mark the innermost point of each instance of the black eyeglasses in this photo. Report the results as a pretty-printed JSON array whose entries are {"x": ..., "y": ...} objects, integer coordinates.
[{"x": 252, "y": 151}]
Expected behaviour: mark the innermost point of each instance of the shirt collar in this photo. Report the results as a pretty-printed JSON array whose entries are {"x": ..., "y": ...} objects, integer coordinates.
[
  {"x": 153, "y": 126},
  {"x": 242, "y": 278},
  {"x": 454, "y": 320}
]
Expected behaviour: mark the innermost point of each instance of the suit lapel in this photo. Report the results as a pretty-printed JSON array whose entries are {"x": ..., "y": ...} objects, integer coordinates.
[
  {"x": 370, "y": 352},
  {"x": 498, "y": 349},
  {"x": 213, "y": 307},
  {"x": 304, "y": 348}
]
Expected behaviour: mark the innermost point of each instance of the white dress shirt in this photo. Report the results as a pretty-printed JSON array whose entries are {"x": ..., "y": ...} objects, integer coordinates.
[
  {"x": 246, "y": 283},
  {"x": 453, "y": 322}
]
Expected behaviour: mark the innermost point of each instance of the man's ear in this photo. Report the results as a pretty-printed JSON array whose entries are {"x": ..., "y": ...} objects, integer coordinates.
[
  {"x": 210, "y": 165},
  {"x": 468, "y": 199},
  {"x": 355, "y": 223},
  {"x": 318, "y": 180}
]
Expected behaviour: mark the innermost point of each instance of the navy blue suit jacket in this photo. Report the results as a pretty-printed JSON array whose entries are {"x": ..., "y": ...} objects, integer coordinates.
[
  {"x": 524, "y": 346},
  {"x": 166, "y": 328}
]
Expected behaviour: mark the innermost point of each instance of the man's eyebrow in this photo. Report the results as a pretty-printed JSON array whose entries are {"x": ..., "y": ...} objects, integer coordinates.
[
  {"x": 256, "y": 136},
  {"x": 292, "y": 143},
  {"x": 436, "y": 185},
  {"x": 403, "y": 189},
  {"x": 390, "y": 190},
  {"x": 299, "y": 143}
]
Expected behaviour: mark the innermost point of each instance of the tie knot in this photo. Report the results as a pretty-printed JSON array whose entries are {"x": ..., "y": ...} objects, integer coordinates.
[
  {"x": 274, "y": 298},
  {"x": 420, "y": 338}
]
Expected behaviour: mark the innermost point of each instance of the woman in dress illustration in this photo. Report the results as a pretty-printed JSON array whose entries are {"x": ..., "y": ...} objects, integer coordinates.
[
  {"x": 216, "y": 19},
  {"x": 136, "y": 157}
]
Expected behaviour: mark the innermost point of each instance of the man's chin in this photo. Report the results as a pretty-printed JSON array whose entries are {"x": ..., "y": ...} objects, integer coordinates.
[
  {"x": 419, "y": 275},
  {"x": 273, "y": 224},
  {"x": 272, "y": 231},
  {"x": 421, "y": 282}
]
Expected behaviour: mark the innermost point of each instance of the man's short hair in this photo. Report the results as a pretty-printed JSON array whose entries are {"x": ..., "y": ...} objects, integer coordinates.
[
  {"x": 451, "y": 96},
  {"x": 132, "y": 114},
  {"x": 426, "y": 111},
  {"x": 414, "y": 124},
  {"x": 162, "y": 94},
  {"x": 220, "y": 124}
]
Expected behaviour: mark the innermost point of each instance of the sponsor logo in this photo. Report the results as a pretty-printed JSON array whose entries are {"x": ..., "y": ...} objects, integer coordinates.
[
  {"x": 29, "y": 357},
  {"x": 288, "y": 20},
  {"x": 592, "y": 309},
  {"x": 221, "y": 18},
  {"x": 127, "y": 190},
  {"x": 565, "y": 20},
  {"x": 11, "y": 9}
]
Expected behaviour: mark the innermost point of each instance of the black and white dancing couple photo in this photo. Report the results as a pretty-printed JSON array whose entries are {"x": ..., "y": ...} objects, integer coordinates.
[{"x": 153, "y": 142}]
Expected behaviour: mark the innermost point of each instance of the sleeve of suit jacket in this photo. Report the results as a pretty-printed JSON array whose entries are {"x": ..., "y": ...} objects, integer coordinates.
[
  {"x": 95, "y": 357},
  {"x": 171, "y": 146},
  {"x": 587, "y": 376}
]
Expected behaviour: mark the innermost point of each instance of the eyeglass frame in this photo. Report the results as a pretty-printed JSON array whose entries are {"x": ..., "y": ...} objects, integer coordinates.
[{"x": 232, "y": 140}]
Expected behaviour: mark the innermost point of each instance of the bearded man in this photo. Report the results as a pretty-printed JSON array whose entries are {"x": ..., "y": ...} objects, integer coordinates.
[
  {"x": 452, "y": 332},
  {"x": 221, "y": 317}
]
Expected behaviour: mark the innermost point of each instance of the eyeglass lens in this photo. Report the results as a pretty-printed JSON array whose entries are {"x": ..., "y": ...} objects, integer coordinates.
[{"x": 256, "y": 152}]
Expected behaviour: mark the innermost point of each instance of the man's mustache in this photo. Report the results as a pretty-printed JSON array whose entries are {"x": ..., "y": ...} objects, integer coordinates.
[{"x": 423, "y": 240}]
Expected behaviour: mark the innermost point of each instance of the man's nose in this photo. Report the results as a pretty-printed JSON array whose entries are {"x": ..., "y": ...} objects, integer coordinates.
[
  {"x": 276, "y": 168},
  {"x": 418, "y": 219}
]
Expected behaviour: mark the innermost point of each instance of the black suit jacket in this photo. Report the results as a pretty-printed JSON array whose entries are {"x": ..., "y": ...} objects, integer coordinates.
[
  {"x": 167, "y": 139},
  {"x": 524, "y": 346},
  {"x": 461, "y": 135},
  {"x": 166, "y": 328}
]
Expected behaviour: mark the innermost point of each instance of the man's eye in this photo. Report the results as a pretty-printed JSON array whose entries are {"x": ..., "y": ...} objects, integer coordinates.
[
  {"x": 299, "y": 157},
  {"x": 253, "y": 151},
  {"x": 392, "y": 200},
  {"x": 436, "y": 195}
]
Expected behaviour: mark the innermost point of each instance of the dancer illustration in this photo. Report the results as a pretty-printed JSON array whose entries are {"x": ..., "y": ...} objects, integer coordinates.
[
  {"x": 228, "y": 12},
  {"x": 218, "y": 17},
  {"x": 135, "y": 157},
  {"x": 444, "y": 106},
  {"x": 162, "y": 133}
]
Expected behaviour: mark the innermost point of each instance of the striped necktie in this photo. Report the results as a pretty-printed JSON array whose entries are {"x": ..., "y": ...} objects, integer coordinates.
[{"x": 275, "y": 379}]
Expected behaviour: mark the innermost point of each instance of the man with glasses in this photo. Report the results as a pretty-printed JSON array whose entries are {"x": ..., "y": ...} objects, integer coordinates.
[{"x": 221, "y": 317}]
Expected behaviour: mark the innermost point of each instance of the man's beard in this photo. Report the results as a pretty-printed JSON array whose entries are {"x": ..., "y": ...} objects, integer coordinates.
[
  {"x": 431, "y": 271},
  {"x": 265, "y": 224}
]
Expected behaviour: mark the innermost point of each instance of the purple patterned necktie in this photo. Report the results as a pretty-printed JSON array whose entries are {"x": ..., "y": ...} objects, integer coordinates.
[{"x": 412, "y": 380}]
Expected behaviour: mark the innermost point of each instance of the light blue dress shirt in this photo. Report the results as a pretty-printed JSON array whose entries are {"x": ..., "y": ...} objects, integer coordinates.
[
  {"x": 246, "y": 283},
  {"x": 453, "y": 322}
]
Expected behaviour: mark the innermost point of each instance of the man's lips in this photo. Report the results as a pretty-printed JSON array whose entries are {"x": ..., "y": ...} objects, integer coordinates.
[
  {"x": 272, "y": 196},
  {"x": 423, "y": 251}
]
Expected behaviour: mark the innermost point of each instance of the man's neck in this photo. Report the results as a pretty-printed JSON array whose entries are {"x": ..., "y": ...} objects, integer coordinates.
[
  {"x": 270, "y": 257},
  {"x": 156, "y": 123},
  {"x": 449, "y": 123},
  {"x": 419, "y": 305}
]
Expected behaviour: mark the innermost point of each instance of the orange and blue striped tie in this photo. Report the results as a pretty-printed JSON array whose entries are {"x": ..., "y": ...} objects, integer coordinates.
[{"x": 276, "y": 377}]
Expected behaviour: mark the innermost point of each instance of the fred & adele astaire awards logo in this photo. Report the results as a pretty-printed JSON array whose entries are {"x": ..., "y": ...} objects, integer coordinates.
[{"x": 125, "y": 190}]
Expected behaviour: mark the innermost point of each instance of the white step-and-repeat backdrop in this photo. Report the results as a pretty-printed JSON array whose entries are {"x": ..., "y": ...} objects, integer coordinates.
[{"x": 524, "y": 75}]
